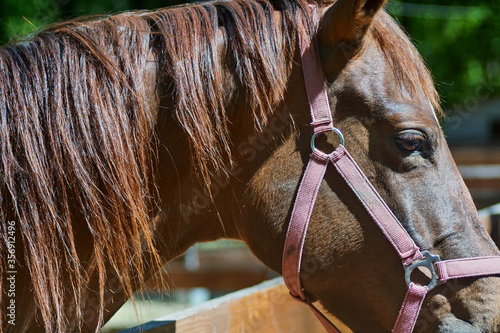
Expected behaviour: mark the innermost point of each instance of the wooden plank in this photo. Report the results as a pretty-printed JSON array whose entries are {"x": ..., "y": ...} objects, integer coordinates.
[
  {"x": 482, "y": 184},
  {"x": 265, "y": 308},
  {"x": 228, "y": 269},
  {"x": 180, "y": 277},
  {"x": 479, "y": 166},
  {"x": 490, "y": 217},
  {"x": 490, "y": 171},
  {"x": 476, "y": 155}
]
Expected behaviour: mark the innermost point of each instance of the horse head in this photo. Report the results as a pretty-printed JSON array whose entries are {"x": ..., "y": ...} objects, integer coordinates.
[{"x": 384, "y": 103}]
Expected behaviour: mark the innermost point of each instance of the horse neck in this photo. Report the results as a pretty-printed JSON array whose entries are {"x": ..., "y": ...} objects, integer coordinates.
[{"x": 198, "y": 170}]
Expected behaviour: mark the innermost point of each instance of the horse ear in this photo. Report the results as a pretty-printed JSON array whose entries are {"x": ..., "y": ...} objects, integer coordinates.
[{"x": 348, "y": 20}]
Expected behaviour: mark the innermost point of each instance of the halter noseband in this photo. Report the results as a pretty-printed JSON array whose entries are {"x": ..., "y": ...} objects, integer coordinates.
[{"x": 404, "y": 245}]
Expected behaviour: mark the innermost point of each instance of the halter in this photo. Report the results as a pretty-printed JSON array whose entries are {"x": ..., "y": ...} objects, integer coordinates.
[{"x": 408, "y": 251}]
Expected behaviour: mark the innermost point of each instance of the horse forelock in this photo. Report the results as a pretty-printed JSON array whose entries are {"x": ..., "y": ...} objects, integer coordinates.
[{"x": 77, "y": 136}]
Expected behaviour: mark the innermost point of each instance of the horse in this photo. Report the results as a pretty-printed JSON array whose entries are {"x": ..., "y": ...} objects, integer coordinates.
[{"x": 126, "y": 139}]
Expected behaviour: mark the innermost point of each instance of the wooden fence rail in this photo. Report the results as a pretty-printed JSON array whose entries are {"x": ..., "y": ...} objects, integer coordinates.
[
  {"x": 479, "y": 166},
  {"x": 225, "y": 269},
  {"x": 490, "y": 217},
  {"x": 264, "y": 308}
]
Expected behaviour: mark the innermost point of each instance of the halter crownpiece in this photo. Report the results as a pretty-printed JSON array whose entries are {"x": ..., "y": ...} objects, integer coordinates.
[{"x": 408, "y": 251}]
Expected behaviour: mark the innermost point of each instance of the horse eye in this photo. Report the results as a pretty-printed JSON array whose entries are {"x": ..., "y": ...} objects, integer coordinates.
[{"x": 410, "y": 141}]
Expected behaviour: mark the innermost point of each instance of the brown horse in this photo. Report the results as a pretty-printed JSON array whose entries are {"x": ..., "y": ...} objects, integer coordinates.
[{"x": 126, "y": 139}]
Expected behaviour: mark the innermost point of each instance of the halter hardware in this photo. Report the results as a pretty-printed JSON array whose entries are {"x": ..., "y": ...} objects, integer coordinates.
[
  {"x": 428, "y": 262},
  {"x": 334, "y": 130}
]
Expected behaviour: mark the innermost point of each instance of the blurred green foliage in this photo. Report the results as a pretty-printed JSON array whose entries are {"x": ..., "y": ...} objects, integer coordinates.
[
  {"x": 20, "y": 17},
  {"x": 459, "y": 39}
]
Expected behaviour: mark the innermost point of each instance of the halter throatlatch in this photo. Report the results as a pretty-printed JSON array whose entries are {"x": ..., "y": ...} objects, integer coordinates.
[{"x": 408, "y": 251}]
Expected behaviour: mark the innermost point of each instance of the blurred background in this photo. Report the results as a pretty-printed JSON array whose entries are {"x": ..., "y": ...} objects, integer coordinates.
[{"x": 460, "y": 42}]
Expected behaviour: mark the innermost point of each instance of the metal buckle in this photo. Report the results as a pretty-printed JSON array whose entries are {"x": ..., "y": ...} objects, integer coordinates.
[
  {"x": 335, "y": 130},
  {"x": 427, "y": 262}
]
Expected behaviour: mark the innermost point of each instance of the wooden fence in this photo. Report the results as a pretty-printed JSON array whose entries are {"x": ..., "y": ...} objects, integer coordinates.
[
  {"x": 479, "y": 166},
  {"x": 264, "y": 308},
  {"x": 490, "y": 217},
  {"x": 226, "y": 269}
]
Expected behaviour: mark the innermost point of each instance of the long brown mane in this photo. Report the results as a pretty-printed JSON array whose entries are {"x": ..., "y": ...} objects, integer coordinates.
[{"x": 77, "y": 139}]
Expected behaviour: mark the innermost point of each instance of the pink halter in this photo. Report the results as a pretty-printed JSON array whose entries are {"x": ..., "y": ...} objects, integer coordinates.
[{"x": 408, "y": 251}]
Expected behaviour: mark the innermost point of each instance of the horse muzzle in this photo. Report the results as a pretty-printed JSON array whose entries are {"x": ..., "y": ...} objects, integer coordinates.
[{"x": 455, "y": 325}]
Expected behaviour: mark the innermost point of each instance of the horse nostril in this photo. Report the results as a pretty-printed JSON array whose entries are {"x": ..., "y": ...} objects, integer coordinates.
[{"x": 455, "y": 325}]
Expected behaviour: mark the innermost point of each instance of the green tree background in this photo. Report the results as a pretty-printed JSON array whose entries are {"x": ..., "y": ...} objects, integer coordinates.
[{"x": 460, "y": 42}]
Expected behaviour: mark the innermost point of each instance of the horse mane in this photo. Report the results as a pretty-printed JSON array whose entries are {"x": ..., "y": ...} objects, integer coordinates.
[
  {"x": 75, "y": 143},
  {"x": 77, "y": 135}
]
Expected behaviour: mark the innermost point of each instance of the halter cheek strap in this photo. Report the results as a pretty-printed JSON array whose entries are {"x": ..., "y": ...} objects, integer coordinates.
[{"x": 408, "y": 251}]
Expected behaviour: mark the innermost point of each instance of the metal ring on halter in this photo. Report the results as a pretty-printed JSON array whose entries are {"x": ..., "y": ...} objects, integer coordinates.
[
  {"x": 336, "y": 130},
  {"x": 427, "y": 262}
]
